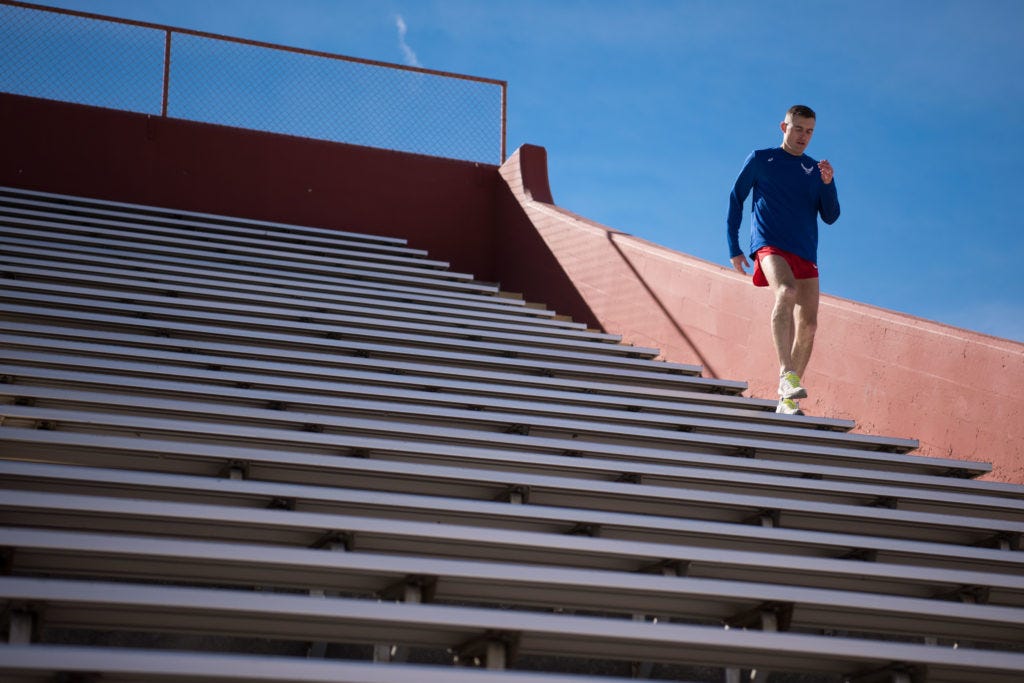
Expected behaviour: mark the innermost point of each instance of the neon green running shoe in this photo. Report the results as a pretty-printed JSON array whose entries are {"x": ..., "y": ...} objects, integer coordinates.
[
  {"x": 789, "y": 386},
  {"x": 788, "y": 406}
]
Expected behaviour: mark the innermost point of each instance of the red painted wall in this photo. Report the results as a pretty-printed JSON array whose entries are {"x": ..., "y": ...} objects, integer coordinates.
[
  {"x": 444, "y": 206},
  {"x": 523, "y": 261},
  {"x": 959, "y": 392},
  {"x": 955, "y": 390}
]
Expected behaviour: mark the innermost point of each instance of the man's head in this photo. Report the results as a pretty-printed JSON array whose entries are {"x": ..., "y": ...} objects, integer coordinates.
[{"x": 797, "y": 129}]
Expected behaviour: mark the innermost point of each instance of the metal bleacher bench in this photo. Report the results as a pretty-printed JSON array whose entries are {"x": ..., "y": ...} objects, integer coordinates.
[{"x": 324, "y": 456}]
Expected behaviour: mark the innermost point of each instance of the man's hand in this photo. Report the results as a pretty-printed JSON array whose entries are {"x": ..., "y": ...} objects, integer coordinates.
[
  {"x": 826, "y": 171},
  {"x": 738, "y": 263}
]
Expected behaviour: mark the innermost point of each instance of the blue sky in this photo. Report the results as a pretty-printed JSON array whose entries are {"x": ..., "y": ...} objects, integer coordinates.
[{"x": 648, "y": 108}]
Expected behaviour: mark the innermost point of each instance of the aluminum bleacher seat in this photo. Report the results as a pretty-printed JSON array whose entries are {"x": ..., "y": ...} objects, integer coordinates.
[{"x": 329, "y": 449}]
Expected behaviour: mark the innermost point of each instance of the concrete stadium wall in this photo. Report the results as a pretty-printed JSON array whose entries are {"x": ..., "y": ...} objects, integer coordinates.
[
  {"x": 960, "y": 393},
  {"x": 457, "y": 210},
  {"x": 441, "y": 205},
  {"x": 957, "y": 391}
]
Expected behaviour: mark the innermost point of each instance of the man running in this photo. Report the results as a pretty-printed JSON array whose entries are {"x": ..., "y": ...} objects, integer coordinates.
[{"x": 790, "y": 191}]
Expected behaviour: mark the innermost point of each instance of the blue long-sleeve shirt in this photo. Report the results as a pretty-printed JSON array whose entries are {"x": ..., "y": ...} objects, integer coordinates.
[{"x": 789, "y": 195}]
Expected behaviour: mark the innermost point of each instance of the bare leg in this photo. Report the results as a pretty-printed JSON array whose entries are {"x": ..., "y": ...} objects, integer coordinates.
[
  {"x": 806, "y": 323},
  {"x": 795, "y": 315},
  {"x": 784, "y": 287}
]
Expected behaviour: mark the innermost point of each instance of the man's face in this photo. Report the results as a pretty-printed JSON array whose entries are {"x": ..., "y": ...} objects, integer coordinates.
[{"x": 796, "y": 134}]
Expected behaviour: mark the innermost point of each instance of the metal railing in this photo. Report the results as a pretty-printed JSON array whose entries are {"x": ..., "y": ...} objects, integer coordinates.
[{"x": 184, "y": 74}]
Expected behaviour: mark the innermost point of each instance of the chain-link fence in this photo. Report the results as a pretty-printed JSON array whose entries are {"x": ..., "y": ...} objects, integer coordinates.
[{"x": 159, "y": 70}]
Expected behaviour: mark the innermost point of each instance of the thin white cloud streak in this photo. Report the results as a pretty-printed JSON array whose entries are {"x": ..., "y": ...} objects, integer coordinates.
[{"x": 410, "y": 56}]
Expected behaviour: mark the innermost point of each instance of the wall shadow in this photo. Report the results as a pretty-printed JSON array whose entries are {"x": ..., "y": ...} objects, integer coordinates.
[{"x": 702, "y": 359}]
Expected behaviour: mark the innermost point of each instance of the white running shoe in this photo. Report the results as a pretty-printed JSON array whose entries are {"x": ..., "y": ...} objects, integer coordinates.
[
  {"x": 788, "y": 406},
  {"x": 789, "y": 386}
]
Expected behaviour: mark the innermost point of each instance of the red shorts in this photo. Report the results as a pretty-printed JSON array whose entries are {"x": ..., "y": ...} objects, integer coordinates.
[{"x": 801, "y": 267}]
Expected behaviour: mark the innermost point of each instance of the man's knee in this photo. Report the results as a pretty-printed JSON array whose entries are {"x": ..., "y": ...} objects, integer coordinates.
[
  {"x": 786, "y": 295},
  {"x": 806, "y": 325}
]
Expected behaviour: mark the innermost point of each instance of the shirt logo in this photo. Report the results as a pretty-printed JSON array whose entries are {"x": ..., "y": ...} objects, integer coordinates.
[
  {"x": 808, "y": 171},
  {"x": 771, "y": 158}
]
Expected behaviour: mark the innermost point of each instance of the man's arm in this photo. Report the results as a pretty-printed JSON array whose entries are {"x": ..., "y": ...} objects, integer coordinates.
[
  {"x": 828, "y": 203},
  {"x": 737, "y": 198}
]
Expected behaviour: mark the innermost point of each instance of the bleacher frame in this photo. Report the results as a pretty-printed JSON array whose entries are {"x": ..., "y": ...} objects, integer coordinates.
[{"x": 217, "y": 427}]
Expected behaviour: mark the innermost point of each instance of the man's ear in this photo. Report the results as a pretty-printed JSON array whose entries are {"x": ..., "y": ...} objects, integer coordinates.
[{"x": 783, "y": 127}]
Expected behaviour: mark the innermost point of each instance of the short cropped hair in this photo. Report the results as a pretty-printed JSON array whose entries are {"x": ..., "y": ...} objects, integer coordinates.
[{"x": 801, "y": 110}]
